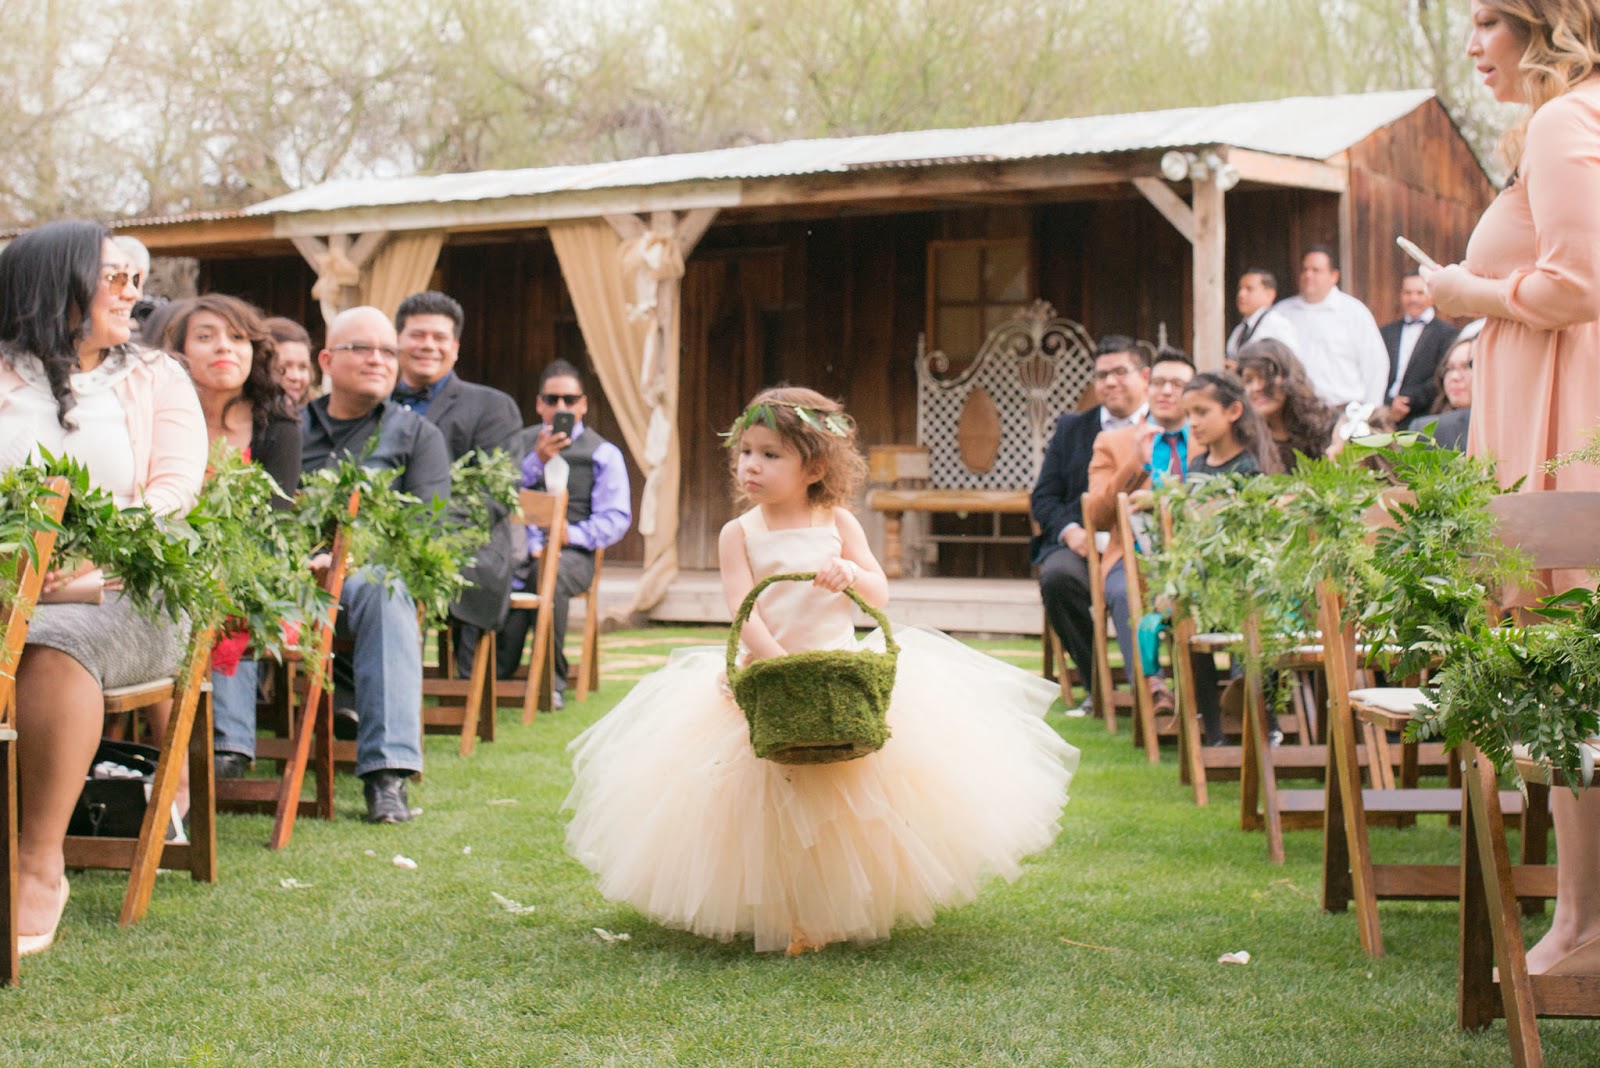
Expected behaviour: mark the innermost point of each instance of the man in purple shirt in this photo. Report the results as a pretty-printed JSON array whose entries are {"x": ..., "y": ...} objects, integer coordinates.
[{"x": 599, "y": 510}]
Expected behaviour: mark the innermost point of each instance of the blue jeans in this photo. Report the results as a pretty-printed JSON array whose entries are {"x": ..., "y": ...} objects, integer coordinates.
[
  {"x": 386, "y": 666},
  {"x": 1117, "y": 612}
]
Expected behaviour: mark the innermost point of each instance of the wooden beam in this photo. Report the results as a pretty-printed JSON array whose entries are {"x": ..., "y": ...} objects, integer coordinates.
[
  {"x": 1210, "y": 285},
  {"x": 1169, "y": 204},
  {"x": 692, "y": 227},
  {"x": 1289, "y": 171},
  {"x": 193, "y": 238}
]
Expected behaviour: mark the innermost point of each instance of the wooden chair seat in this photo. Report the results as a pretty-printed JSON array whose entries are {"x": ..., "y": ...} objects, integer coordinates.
[
  {"x": 120, "y": 699},
  {"x": 461, "y": 706},
  {"x": 548, "y": 511}
]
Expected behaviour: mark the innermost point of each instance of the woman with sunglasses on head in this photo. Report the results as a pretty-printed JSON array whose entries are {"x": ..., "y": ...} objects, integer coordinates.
[
  {"x": 1299, "y": 423},
  {"x": 72, "y": 384}
]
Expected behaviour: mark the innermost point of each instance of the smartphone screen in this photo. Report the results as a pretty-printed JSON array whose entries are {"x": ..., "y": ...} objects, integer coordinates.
[{"x": 562, "y": 423}]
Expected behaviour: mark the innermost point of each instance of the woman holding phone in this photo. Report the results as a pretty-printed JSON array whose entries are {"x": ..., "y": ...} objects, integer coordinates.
[{"x": 1533, "y": 269}]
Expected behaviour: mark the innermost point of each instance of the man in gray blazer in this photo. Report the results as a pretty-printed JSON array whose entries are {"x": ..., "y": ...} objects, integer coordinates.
[{"x": 470, "y": 416}]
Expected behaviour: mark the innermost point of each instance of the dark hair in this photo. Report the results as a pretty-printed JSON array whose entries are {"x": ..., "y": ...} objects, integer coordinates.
[
  {"x": 1115, "y": 344},
  {"x": 1441, "y": 402},
  {"x": 1308, "y": 421},
  {"x": 1250, "y": 430},
  {"x": 844, "y": 469},
  {"x": 560, "y": 369},
  {"x": 1333, "y": 260},
  {"x": 1413, "y": 273},
  {"x": 285, "y": 329},
  {"x": 260, "y": 389},
  {"x": 1268, "y": 279},
  {"x": 1169, "y": 354},
  {"x": 430, "y": 302},
  {"x": 48, "y": 280}
]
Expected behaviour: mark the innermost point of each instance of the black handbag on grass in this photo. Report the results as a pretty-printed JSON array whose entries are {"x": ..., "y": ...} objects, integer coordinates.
[{"x": 116, "y": 792}]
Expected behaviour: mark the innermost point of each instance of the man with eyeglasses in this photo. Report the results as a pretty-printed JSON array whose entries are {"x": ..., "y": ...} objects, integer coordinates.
[
  {"x": 378, "y": 689},
  {"x": 471, "y": 417},
  {"x": 1121, "y": 382},
  {"x": 599, "y": 510}
]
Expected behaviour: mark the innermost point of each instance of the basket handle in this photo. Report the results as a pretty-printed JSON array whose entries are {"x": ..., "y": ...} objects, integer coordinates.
[{"x": 743, "y": 616}]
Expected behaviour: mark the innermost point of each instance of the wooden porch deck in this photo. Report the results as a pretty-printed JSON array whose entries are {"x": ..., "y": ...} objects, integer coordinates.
[{"x": 955, "y": 605}]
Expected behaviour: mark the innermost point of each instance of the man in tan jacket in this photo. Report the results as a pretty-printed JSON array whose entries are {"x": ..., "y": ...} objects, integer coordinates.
[{"x": 1142, "y": 457}]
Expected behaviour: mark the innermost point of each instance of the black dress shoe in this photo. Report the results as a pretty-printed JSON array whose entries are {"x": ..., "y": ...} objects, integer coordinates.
[
  {"x": 230, "y": 765},
  {"x": 346, "y": 724},
  {"x": 386, "y": 797}
]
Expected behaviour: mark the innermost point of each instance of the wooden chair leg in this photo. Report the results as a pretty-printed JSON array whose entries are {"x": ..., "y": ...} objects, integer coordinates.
[
  {"x": 10, "y": 963},
  {"x": 202, "y": 795},
  {"x": 480, "y": 696},
  {"x": 1190, "y": 759},
  {"x": 316, "y": 708},
  {"x": 1492, "y": 862},
  {"x": 589, "y": 669},
  {"x": 541, "y": 665}
]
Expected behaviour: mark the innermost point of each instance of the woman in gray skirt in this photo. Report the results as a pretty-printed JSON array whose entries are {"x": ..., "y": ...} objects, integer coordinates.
[{"x": 71, "y": 383}]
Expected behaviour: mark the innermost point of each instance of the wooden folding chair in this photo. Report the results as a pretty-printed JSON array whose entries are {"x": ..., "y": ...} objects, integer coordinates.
[
  {"x": 589, "y": 656},
  {"x": 30, "y": 571},
  {"x": 461, "y": 706},
  {"x": 1108, "y": 699},
  {"x": 1148, "y": 732},
  {"x": 548, "y": 511},
  {"x": 308, "y": 719},
  {"x": 1557, "y": 530}
]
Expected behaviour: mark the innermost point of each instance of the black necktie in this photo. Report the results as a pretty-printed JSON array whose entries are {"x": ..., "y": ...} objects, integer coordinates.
[
  {"x": 409, "y": 395},
  {"x": 1249, "y": 328},
  {"x": 1409, "y": 321}
]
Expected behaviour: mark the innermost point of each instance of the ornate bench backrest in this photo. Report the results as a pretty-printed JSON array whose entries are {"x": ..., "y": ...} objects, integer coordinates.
[{"x": 1029, "y": 370}]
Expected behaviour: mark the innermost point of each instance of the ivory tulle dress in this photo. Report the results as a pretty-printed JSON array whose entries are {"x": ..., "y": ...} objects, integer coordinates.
[{"x": 679, "y": 818}]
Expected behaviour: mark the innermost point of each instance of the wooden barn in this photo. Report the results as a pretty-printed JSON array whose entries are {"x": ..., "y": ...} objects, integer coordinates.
[{"x": 829, "y": 262}]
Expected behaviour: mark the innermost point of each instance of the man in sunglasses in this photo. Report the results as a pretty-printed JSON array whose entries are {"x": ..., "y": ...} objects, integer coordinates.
[
  {"x": 378, "y": 689},
  {"x": 471, "y": 417},
  {"x": 599, "y": 509}
]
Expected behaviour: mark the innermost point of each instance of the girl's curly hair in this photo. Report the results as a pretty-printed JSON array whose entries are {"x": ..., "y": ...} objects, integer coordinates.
[
  {"x": 816, "y": 427},
  {"x": 1309, "y": 422}
]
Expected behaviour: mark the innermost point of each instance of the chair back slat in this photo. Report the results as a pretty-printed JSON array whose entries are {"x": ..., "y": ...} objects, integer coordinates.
[
  {"x": 30, "y": 580},
  {"x": 1557, "y": 529},
  {"x": 537, "y": 508}
]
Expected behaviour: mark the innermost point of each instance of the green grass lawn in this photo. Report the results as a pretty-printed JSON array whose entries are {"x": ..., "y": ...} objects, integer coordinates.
[{"x": 1103, "y": 953}]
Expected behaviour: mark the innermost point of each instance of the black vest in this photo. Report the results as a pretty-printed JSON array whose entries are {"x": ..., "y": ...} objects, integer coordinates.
[{"x": 580, "y": 482}]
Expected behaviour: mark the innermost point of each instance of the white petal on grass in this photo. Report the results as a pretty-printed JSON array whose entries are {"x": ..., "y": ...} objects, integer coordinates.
[
  {"x": 294, "y": 884},
  {"x": 1240, "y": 957},
  {"x": 466, "y": 851},
  {"x": 607, "y": 937},
  {"x": 503, "y": 801},
  {"x": 516, "y": 908},
  {"x": 404, "y": 862}
]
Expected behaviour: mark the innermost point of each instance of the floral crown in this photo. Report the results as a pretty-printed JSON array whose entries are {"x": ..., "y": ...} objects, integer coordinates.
[{"x": 835, "y": 423}]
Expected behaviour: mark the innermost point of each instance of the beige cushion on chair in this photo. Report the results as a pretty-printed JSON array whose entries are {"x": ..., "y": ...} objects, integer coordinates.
[{"x": 1404, "y": 700}]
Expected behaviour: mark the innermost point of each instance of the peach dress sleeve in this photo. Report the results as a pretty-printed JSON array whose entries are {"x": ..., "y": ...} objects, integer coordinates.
[{"x": 1536, "y": 378}]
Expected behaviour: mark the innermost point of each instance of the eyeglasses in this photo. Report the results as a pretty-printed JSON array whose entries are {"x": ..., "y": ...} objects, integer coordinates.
[
  {"x": 1163, "y": 382},
  {"x": 555, "y": 400},
  {"x": 117, "y": 281},
  {"x": 1122, "y": 371},
  {"x": 361, "y": 348}
]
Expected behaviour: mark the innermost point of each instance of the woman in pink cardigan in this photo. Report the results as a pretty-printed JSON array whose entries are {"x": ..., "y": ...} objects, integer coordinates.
[{"x": 71, "y": 383}]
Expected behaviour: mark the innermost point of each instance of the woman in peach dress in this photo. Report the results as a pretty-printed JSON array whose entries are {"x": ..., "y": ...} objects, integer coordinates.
[{"x": 1533, "y": 268}]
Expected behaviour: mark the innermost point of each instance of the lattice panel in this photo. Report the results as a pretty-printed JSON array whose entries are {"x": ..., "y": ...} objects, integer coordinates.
[{"x": 1035, "y": 367}]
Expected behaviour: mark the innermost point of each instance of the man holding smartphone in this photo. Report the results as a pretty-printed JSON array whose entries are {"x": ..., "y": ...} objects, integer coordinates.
[{"x": 599, "y": 508}]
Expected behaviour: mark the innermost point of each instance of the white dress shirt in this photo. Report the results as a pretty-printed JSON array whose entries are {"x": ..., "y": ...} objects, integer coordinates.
[
  {"x": 1341, "y": 348},
  {"x": 1410, "y": 333},
  {"x": 1261, "y": 324}
]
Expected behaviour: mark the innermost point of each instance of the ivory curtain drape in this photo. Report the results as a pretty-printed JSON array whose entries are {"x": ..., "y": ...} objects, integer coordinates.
[
  {"x": 403, "y": 266},
  {"x": 377, "y": 268}
]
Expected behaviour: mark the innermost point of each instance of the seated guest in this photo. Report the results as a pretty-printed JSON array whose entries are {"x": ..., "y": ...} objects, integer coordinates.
[
  {"x": 599, "y": 509},
  {"x": 1298, "y": 422},
  {"x": 377, "y": 690},
  {"x": 1060, "y": 549},
  {"x": 470, "y": 416},
  {"x": 71, "y": 383},
  {"x": 229, "y": 353},
  {"x": 1416, "y": 343},
  {"x": 1452, "y": 411},
  {"x": 292, "y": 366},
  {"x": 1151, "y": 455}
]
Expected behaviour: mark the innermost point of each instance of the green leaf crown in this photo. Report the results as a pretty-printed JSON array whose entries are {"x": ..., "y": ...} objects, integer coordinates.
[{"x": 836, "y": 423}]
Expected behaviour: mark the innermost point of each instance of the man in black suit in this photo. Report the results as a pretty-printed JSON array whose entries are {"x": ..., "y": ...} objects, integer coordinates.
[
  {"x": 1121, "y": 381},
  {"x": 470, "y": 416},
  {"x": 1416, "y": 343}
]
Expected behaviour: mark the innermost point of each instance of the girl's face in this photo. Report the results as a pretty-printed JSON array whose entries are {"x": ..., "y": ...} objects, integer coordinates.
[
  {"x": 292, "y": 369},
  {"x": 219, "y": 356},
  {"x": 1210, "y": 424},
  {"x": 1267, "y": 401},
  {"x": 1458, "y": 377},
  {"x": 770, "y": 470},
  {"x": 111, "y": 310},
  {"x": 1496, "y": 49}
]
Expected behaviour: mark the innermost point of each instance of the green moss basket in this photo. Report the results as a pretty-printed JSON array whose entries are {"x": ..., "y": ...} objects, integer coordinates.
[{"x": 818, "y": 707}]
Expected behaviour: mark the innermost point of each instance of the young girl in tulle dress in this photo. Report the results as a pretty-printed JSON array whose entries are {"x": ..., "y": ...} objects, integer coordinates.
[{"x": 677, "y": 816}]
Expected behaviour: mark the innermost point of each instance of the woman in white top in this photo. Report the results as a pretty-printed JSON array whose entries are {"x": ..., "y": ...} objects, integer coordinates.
[{"x": 71, "y": 383}]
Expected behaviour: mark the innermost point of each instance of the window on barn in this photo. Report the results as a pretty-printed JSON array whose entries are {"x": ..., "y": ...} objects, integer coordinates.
[{"x": 973, "y": 287}]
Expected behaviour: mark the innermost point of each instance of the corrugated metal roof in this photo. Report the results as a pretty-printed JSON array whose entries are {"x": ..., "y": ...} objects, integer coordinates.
[{"x": 1309, "y": 127}]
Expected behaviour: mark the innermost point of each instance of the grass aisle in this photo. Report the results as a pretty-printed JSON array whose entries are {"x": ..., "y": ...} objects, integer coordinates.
[{"x": 360, "y": 962}]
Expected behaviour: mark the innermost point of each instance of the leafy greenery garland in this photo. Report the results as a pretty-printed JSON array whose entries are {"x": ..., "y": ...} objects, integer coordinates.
[{"x": 836, "y": 423}]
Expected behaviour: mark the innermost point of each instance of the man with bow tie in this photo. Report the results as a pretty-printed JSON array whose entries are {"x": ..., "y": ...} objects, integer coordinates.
[
  {"x": 470, "y": 416},
  {"x": 1417, "y": 341}
]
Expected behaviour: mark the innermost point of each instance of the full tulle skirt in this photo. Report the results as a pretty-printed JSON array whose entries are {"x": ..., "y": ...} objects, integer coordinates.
[{"x": 677, "y": 816}]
